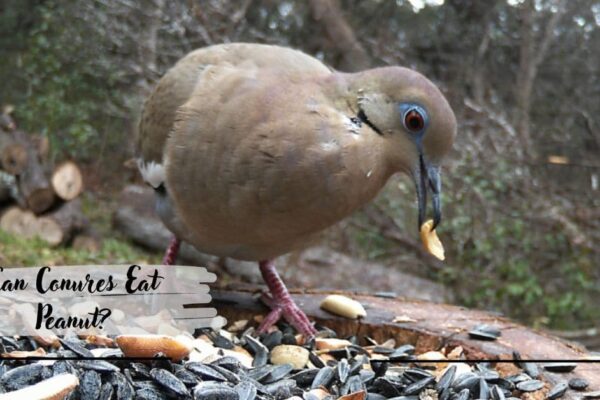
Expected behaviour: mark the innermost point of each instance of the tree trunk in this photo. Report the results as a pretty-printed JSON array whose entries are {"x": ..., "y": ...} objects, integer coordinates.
[
  {"x": 530, "y": 58},
  {"x": 351, "y": 55}
]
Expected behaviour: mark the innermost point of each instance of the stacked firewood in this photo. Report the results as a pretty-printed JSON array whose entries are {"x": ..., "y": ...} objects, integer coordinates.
[{"x": 36, "y": 197}]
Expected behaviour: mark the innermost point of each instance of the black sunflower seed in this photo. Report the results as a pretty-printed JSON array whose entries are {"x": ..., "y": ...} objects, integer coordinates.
[
  {"x": 140, "y": 371},
  {"x": 497, "y": 393},
  {"x": 357, "y": 364},
  {"x": 219, "y": 340},
  {"x": 149, "y": 393},
  {"x": 186, "y": 376},
  {"x": 386, "y": 387},
  {"x": 343, "y": 370},
  {"x": 515, "y": 379},
  {"x": 278, "y": 373},
  {"x": 228, "y": 362},
  {"x": 505, "y": 384},
  {"x": 484, "y": 390},
  {"x": 22, "y": 376},
  {"x": 446, "y": 394},
  {"x": 76, "y": 348},
  {"x": 315, "y": 360},
  {"x": 289, "y": 338},
  {"x": 89, "y": 385},
  {"x": 530, "y": 385},
  {"x": 366, "y": 376},
  {"x": 169, "y": 381},
  {"x": 375, "y": 396},
  {"x": 417, "y": 387},
  {"x": 416, "y": 374},
  {"x": 260, "y": 373},
  {"x": 204, "y": 371},
  {"x": 272, "y": 339},
  {"x": 466, "y": 381},
  {"x": 446, "y": 379},
  {"x": 230, "y": 376},
  {"x": 260, "y": 351},
  {"x": 215, "y": 393},
  {"x": 484, "y": 332},
  {"x": 281, "y": 389},
  {"x": 246, "y": 390},
  {"x": 531, "y": 369},
  {"x": 578, "y": 384},
  {"x": 62, "y": 367},
  {"x": 463, "y": 395},
  {"x": 124, "y": 389},
  {"x": 354, "y": 384},
  {"x": 305, "y": 377},
  {"x": 323, "y": 378},
  {"x": 591, "y": 395},
  {"x": 560, "y": 367},
  {"x": 106, "y": 391},
  {"x": 146, "y": 384},
  {"x": 379, "y": 367},
  {"x": 557, "y": 391},
  {"x": 97, "y": 365}
]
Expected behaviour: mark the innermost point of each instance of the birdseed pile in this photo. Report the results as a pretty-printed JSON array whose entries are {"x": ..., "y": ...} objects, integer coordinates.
[{"x": 238, "y": 364}]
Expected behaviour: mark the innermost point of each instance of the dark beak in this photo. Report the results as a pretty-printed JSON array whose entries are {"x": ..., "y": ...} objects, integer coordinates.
[{"x": 427, "y": 176}]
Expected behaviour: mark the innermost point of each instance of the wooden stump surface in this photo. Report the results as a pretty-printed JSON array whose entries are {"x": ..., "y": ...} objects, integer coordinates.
[{"x": 434, "y": 326}]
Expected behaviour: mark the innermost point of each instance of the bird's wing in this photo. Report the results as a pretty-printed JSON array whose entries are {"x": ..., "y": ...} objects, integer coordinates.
[{"x": 177, "y": 85}]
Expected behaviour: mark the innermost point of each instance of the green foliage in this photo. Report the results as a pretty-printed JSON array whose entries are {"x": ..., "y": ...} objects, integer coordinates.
[
  {"x": 499, "y": 256},
  {"x": 60, "y": 86}
]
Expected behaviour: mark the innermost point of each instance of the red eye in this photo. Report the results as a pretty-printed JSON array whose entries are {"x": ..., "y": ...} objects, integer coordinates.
[{"x": 413, "y": 121}]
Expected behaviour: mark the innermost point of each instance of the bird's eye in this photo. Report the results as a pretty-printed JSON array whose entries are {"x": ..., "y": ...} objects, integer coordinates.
[{"x": 414, "y": 121}]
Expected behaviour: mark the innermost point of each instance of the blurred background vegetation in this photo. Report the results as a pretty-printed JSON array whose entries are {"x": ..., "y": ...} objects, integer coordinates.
[{"x": 522, "y": 209}]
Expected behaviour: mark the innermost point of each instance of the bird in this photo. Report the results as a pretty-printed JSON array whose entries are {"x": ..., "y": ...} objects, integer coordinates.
[{"x": 254, "y": 149}]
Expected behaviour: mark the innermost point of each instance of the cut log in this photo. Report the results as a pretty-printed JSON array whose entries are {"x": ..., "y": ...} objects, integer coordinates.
[
  {"x": 33, "y": 184},
  {"x": 67, "y": 180},
  {"x": 18, "y": 222},
  {"x": 60, "y": 225},
  {"x": 13, "y": 155}
]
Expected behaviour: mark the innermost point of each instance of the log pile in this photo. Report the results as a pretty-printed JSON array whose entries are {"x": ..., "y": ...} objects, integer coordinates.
[{"x": 38, "y": 199}]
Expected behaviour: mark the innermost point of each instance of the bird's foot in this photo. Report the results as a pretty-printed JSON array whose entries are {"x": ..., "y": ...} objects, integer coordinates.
[
  {"x": 281, "y": 303},
  {"x": 171, "y": 253},
  {"x": 287, "y": 309}
]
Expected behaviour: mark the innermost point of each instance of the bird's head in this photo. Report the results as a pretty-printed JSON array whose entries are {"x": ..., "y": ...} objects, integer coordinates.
[{"x": 409, "y": 111}]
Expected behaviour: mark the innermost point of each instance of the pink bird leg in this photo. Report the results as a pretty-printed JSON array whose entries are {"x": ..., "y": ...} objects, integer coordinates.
[
  {"x": 281, "y": 303},
  {"x": 171, "y": 253}
]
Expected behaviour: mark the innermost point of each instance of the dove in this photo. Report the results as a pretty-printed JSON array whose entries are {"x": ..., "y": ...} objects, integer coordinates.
[{"x": 253, "y": 150}]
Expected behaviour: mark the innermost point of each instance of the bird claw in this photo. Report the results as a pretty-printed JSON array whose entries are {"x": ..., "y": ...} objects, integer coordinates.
[{"x": 287, "y": 309}]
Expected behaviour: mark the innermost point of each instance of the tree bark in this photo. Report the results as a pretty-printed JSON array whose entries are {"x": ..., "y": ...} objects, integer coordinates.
[
  {"x": 530, "y": 59},
  {"x": 351, "y": 55}
]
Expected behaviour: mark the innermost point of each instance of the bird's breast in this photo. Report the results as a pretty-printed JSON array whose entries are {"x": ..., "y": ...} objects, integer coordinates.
[{"x": 262, "y": 170}]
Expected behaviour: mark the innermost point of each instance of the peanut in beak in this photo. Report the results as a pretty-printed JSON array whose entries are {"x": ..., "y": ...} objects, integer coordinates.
[{"x": 431, "y": 241}]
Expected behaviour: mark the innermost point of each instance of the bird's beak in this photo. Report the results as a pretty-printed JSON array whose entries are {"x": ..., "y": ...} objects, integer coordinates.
[{"x": 427, "y": 176}]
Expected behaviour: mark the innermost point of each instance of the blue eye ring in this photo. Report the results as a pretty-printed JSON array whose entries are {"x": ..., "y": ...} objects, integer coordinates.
[{"x": 414, "y": 118}]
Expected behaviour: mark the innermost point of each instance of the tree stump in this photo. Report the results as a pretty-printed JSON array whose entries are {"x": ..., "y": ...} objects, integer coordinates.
[{"x": 428, "y": 327}]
